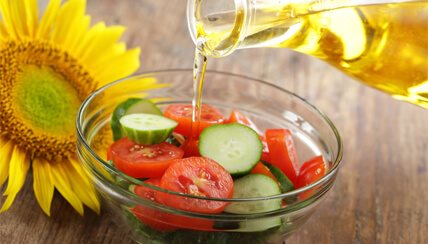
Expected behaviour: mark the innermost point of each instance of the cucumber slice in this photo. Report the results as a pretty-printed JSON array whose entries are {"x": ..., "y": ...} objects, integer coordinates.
[
  {"x": 259, "y": 224},
  {"x": 250, "y": 225},
  {"x": 131, "y": 106},
  {"x": 147, "y": 129},
  {"x": 284, "y": 183},
  {"x": 254, "y": 185},
  {"x": 235, "y": 146}
]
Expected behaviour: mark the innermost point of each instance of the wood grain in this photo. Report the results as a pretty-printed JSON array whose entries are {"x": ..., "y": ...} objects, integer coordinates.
[{"x": 381, "y": 192}]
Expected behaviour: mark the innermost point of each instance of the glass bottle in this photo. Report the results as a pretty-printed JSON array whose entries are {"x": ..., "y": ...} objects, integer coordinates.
[{"x": 382, "y": 43}]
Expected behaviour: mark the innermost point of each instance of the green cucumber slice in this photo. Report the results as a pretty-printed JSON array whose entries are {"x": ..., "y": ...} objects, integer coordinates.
[
  {"x": 254, "y": 185},
  {"x": 235, "y": 146},
  {"x": 131, "y": 106},
  {"x": 257, "y": 225},
  {"x": 147, "y": 129},
  {"x": 284, "y": 183},
  {"x": 250, "y": 225}
]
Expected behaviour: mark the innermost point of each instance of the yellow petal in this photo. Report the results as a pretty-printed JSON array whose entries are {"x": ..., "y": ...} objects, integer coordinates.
[
  {"x": 68, "y": 13},
  {"x": 120, "y": 67},
  {"x": 86, "y": 42},
  {"x": 108, "y": 55},
  {"x": 2, "y": 141},
  {"x": 63, "y": 185},
  {"x": 31, "y": 11},
  {"x": 18, "y": 16},
  {"x": 3, "y": 31},
  {"x": 80, "y": 27},
  {"x": 6, "y": 148},
  {"x": 19, "y": 164},
  {"x": 42, "y": 184},
  {"x": 47, "y": 21},
  {"x": 7, "y": 19},
  {"x": 103, "y": 41},
  {"x": 82, "y": 186}
]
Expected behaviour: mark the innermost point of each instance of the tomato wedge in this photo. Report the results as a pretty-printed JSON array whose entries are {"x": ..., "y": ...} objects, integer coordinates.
[
  {"x": 282, "y": 152},
  {"x": 149, "y": 216},
  {"x": 311, "y": 171},
  {"x": 265, "y": 152},
  {"x": 182, "y": 113},
  {"x": 260, "y": 168},
  {"x": 142, "y": 161},
  {"x": 200, "y": 177},
  {"x": 238, "y": 117}
]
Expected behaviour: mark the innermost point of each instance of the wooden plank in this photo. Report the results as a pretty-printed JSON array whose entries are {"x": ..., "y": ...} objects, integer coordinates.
[{"x": 381, "y": 190}]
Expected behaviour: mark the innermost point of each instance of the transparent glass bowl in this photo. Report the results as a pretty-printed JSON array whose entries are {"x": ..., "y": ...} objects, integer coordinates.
[{"x": 267, "y": 105}]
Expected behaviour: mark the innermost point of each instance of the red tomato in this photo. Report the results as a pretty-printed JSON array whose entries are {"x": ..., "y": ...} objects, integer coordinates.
[
  {"x": 190, "y": 147},
  {"x": 200, "y": 177},
  {"x": 282, "y": 153},
  {"x": 265, "y": 152},
  {"x": 238, "y": 117},
  {"x": 260, "y": 168},
  {"x": 311, "y": 171},
  {"x": 182, "y": 113},
  {"x": 143, "y": 161},
  {"x": 154, "y": 218},
  {"x": 164, "y": 221},
  {"x": 184, "y": 222}
]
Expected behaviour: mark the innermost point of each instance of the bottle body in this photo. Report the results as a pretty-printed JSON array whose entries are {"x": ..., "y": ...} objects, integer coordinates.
[{"x": 383, "y": 45}]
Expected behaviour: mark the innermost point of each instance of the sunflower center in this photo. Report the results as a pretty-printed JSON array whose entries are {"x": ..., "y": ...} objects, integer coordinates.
[
  {"x": 41, "y": 87},
  {"x": 45, "y": 100}
]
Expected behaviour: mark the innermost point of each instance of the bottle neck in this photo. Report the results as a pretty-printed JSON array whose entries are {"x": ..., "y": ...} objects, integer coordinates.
[{"x": 218, "y": 26}]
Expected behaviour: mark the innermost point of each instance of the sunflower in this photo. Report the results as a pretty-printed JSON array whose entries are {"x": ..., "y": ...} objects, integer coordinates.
[{"x": 48, "y": 65}]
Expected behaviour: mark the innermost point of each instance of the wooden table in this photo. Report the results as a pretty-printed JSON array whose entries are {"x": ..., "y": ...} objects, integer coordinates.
[{"x": 381, "y": 194}]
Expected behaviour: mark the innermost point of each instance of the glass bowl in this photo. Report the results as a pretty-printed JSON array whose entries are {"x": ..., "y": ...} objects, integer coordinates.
[{"x": 267, "y": 105}]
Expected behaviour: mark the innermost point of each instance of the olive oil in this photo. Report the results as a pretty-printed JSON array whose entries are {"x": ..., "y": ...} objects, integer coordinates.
[
  {"x": 199, "y": 67},
  {"x": 382, "y": 45}
]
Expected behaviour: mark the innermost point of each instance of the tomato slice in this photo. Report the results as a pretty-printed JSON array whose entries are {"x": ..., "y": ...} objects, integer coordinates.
[
  {"x": 200, "y": 177},
  {"x": 311, "y": 171},
  {"x": 182, "y": 113},
  {"x": 260, "y": 168},
  {"x": 238, "y": 117},
  {"x": 143, "y": 161},
  {"x": 282, "y": 152},
  {"x": 164, "y": 221},
  {"x": 149, "y": 216}
]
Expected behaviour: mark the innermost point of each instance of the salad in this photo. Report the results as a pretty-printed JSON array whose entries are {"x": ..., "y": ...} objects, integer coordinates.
[{"x": 219, "y": 157}]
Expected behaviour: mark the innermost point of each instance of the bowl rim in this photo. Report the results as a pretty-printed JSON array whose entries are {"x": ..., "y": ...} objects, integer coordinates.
[{"x": 79, "y": 118}]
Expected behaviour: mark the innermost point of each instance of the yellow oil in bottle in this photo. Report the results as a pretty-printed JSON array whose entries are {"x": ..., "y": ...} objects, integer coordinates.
[{"x": 384, "y": 46}]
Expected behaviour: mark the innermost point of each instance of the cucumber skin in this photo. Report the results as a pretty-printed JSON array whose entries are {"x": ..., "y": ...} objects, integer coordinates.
[
  {"x": 234, "y": 174},
  {"x": 242, "y": 208},
  {"x": 145, "y": 138},
  {"x": 120, "y": 111},
  {"x": 284, "y": 183}
]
